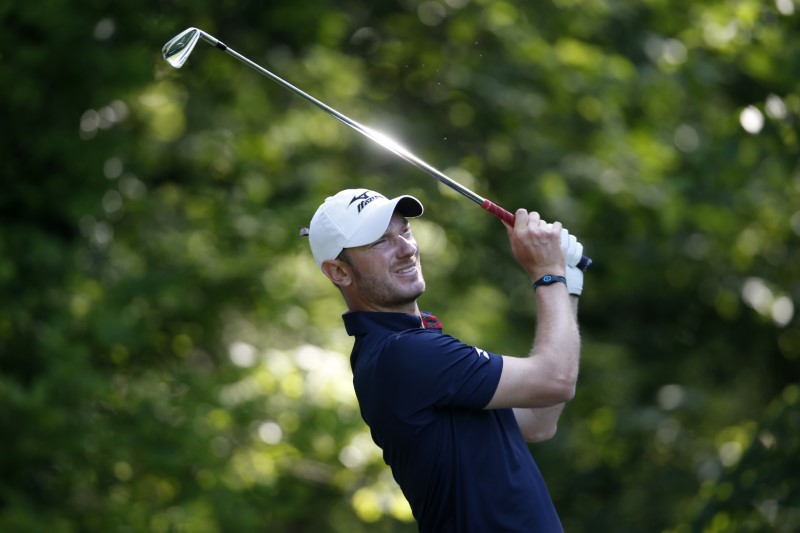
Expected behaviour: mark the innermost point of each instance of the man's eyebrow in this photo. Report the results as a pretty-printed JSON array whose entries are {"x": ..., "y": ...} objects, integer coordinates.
[{"x": 403, "y": 225}]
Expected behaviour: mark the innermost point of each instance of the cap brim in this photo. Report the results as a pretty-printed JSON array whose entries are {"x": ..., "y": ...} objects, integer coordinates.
[{"x": 409, "y": 207}]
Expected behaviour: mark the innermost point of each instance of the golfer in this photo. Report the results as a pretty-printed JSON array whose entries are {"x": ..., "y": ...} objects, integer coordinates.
[{"x": 452, "y": 419}]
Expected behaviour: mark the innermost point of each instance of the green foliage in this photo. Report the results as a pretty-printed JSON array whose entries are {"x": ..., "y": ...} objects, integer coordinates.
[{"x": 172, "y": 360}]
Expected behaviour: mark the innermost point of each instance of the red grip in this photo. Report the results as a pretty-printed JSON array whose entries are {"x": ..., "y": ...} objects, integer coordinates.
[
  {"x": 508, "y": 218},
  {"x": 499, "y": 212}
]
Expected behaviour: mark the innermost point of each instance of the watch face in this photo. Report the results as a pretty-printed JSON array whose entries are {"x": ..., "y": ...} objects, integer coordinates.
[{"x": 549, "y": 279}]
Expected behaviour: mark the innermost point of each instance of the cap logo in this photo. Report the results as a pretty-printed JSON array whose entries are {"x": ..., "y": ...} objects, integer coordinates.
[{"x": 365, "y": 200}]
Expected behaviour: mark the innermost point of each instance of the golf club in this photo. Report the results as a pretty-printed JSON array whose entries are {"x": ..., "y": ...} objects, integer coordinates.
[{"x": 177, "y": 51}]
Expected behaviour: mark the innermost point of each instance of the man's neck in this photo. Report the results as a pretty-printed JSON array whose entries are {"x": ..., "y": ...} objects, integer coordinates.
[{"x": 409, "y": 309}]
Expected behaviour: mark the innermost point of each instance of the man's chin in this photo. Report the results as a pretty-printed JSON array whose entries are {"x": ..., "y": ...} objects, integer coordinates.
[
  {"x": 419, "y": 288},
  {"x": 409, "y": 297}
]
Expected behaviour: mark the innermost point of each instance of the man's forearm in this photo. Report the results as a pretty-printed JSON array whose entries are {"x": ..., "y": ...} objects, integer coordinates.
[
  {"x": 557, "y": 339},
  {"x": 540, "y": 423}
]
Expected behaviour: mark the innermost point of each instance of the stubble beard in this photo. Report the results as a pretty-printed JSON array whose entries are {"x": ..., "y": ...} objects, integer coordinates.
[{"x": 385, "y": 294}]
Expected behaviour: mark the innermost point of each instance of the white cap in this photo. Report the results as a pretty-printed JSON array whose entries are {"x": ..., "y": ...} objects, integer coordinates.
[{"x": 354, "y": 217}]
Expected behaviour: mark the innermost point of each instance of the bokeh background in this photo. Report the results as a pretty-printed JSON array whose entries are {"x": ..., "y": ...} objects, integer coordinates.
[{"x": 171, "y": 359}]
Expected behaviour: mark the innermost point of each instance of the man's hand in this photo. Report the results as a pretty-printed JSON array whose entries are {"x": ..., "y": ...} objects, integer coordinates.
[
  {"x": 537, "y": 244},
  {"x": 573, "y": 251},
  {"x": 574, "y": 280}
]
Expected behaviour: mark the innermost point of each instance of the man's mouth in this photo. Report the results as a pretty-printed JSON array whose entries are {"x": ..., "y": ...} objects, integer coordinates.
[{"x": 412, "y": 269}]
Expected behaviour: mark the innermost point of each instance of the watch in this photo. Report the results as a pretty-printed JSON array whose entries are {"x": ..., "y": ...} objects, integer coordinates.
[{"x": 548, "y": 279}]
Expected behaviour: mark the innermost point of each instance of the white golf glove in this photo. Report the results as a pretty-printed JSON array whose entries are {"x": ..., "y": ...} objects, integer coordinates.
[
  {"x": 574, "y": 280},
  {"x": 573, "y": 252}
]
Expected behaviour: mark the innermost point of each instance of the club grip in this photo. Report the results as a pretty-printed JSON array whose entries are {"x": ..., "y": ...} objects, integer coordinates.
[
  {"x": 499, "y": 212},
  {"x": 508, "y": 218}
]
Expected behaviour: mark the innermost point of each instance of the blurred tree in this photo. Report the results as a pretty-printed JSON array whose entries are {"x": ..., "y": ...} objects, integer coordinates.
[{"x": 170, "y": 359}]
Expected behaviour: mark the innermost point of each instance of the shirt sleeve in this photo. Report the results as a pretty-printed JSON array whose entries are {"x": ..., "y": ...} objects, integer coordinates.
[{"x": 424, "y": 369}]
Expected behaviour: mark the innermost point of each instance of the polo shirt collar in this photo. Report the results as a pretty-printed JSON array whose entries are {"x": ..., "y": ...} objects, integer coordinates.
[{"x": 362, "y": 322}]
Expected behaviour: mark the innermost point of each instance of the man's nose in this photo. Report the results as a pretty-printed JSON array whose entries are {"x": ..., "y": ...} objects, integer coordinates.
[{"x": 406, "y": 247}]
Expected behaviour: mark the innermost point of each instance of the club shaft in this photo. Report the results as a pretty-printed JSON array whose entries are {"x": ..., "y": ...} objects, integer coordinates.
[
  {"x": 398, "y": 150},
  {"x": 384, "y": 141}
]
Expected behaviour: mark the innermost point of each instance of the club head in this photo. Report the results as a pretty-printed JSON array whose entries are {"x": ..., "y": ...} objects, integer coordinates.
[{"x": 177, "y": 50}]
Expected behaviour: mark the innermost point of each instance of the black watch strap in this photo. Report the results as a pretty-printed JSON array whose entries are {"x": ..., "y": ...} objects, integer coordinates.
[{"x": 548, "y": 279}]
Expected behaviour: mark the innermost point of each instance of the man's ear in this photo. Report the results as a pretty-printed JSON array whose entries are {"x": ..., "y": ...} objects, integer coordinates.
[{"x": 339, "y": 272}]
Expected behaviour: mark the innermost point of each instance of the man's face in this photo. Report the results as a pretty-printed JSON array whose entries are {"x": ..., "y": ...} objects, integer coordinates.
[{"x": 387, "y": 274}]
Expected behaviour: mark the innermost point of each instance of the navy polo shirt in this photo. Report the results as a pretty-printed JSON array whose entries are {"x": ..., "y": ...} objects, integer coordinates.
[{"x": 422, "y": 394}]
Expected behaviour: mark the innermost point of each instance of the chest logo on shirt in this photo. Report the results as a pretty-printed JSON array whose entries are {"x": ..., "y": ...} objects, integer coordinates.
[{"x": 482, "y": 353}]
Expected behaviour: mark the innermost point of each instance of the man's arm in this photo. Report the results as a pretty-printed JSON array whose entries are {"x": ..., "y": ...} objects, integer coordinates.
[
  {"x": 540, "y": 423},
  {"x": 538, "y": 386}
]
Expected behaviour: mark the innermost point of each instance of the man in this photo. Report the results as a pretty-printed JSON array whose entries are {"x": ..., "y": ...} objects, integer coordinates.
[{"x": 452, "y": 419}]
